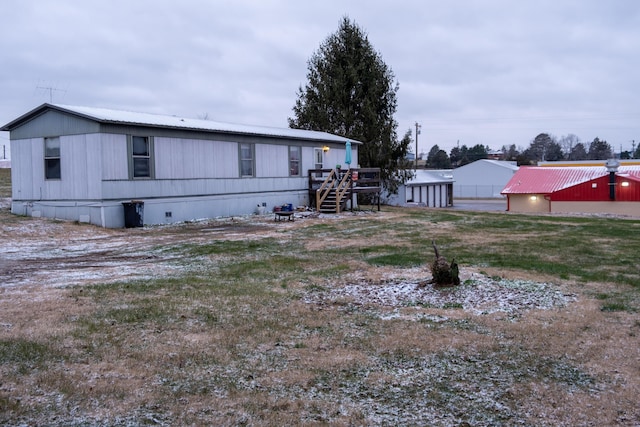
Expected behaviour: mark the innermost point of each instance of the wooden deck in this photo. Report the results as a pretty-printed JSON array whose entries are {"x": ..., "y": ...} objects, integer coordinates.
[{"x": 330, "y": 189}]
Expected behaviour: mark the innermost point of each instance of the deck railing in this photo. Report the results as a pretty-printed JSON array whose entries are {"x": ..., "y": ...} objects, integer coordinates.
[{"x": 343, "y": 183}]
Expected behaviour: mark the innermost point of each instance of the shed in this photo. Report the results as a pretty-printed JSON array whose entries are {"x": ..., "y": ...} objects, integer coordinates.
[
  {"x": 580, "y": 189},
  {"x": 483, "y": 179},
  {"x": 429, "y": 188},
  {"x": 83, "y": 163}
]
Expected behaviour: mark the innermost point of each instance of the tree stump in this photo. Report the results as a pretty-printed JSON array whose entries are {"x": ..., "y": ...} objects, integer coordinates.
[{"x": 443, "y": 272}]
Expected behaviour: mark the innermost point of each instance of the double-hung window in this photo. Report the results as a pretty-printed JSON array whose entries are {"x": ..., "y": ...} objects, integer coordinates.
[
  {"x": 52, "y": 158},
  {"x": 247, "y": 160},
  {"x": 140, "y": 157},
  {"x": 294, "y": 161}
]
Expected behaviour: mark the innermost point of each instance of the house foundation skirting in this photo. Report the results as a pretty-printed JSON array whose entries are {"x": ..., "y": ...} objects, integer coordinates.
[{"x": 110, "y": 214}]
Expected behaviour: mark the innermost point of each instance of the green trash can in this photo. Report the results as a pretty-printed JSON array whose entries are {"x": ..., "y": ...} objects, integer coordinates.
[{"x": 133, "y": 213}]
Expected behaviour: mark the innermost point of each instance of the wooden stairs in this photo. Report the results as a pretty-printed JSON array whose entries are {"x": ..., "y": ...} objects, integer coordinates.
[
  {"x": 330, "y": 190},
  {"x": 334, "y": 192},
  {"x": 331, "y": 204}
]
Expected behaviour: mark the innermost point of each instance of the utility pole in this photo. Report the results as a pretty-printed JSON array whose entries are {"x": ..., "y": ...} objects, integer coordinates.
[
  {"x": 418, "y": 127},
  {"x": 633, "y": 148}
]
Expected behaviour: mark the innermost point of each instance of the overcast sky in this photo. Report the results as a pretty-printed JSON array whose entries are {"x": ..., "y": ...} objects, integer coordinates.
[{"x": 494, "y": 72}]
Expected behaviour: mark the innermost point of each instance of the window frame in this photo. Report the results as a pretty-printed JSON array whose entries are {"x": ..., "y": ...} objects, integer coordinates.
[
  {"x": 51, "y": 159},
  {"x": 295, "y": 163},
  {"x": 243, "y": 160},
  {"x": 133, "y": 157},
  {"x": 318, "y": 154}
]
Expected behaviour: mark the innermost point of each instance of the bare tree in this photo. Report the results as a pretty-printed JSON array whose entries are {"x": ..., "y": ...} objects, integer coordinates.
[{"x": 567, "y": 143}]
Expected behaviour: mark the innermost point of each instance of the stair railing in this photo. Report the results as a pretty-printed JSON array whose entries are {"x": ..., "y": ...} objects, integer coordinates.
[
  {"x": 342, "y": 187},
  {"x": 335, "y": 181},
  {"x": 325, "y": 189}
]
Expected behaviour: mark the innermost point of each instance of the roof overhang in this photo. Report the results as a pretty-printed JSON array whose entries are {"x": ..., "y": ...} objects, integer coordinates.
[{"x": 116, "y": 117}]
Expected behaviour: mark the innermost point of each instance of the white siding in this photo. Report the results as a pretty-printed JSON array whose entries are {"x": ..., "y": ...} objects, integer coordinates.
[
  {"x": 483, "y": 178},
  {"x": 428, "y": 195},
  {"x": 115, "y": 164},
  {"x": 272, "y": 160},
  {"x": 81, "y": 167},
  {"x": 22, "y": 163},
  {"x": 331, "y": 158},
  {"x": 308, "y": 159},
  {"x": 177, "y": 158}
]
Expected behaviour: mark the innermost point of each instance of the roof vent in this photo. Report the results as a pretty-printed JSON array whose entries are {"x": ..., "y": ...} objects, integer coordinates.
[{"x": 612, "y": 167}]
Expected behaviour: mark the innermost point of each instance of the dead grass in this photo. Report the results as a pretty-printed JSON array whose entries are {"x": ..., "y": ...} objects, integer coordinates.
[
  {"x": 187, "y": 334},
  {"x": 5, "y": 182}
]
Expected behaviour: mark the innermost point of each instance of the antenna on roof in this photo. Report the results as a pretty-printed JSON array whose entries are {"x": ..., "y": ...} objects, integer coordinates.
[{"x": 50, "y": 89}]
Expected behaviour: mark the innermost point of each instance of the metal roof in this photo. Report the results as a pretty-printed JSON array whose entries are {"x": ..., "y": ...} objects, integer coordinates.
[
  {"x": 430, "y": 176},
  {"x": 104, "y": 115},
  {"x": 547, "y": 180},
  {"x": 501, "y": 163}
]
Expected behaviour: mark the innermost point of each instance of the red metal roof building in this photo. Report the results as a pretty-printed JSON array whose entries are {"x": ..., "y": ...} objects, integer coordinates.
[{"x": 575, "y": 189}]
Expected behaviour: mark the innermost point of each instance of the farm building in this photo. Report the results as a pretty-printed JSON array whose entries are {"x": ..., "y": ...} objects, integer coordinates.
[
  {"x": 483, "y": 179},
  {"x": 609, "y": 188},
  {"x": 430, "y": 188},
  {"x": 581, "y": 163},
  {"x": 89, "y": 164}
]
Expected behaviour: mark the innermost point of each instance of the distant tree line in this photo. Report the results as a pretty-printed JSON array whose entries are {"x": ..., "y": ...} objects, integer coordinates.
[{"x": 544, "y": 147}]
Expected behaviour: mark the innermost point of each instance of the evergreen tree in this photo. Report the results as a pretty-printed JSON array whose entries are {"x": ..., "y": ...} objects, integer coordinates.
[
  {"x": 600, "y": 150},
  {"x": 538, "y": 148},
  {"x": 438, "y": 159},
  {"x": 460, "y": 156},
  {"x": 455, "y": 156},
  {"x": 544, "y": 147},
  {"x": 406, "y": 141},
  {"x": 441, "y": 160},
  {"x": 554, "y": 152},
  {"x": 578, "y": 152},
  {"x": 477, "y": 152},
  {"x": 432, "y": 155},
  {"x": 351, "y": 92}
]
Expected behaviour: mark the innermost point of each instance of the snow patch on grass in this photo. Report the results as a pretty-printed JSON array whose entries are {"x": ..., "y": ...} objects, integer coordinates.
[{"x": 477, "y": 294}]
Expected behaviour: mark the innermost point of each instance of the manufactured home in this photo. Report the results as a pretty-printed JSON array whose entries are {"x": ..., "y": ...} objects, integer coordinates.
[{"x": 91, "y": 164}]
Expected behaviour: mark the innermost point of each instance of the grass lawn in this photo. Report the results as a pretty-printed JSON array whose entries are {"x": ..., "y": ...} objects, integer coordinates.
[{"x": 252, "y": 326}]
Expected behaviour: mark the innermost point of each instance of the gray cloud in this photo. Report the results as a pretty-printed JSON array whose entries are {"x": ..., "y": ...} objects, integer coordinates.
[{"x": 493, "y": 71}]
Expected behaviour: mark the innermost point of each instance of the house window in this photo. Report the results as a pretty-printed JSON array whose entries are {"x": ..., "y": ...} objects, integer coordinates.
[
  {"x": 247, "y": 160},
  {"x": 140, "y": 157},
  {"x": 52, "y": 158},
  {"x": 294, "y": 161},
  {"x": 318, "y": 156}
]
